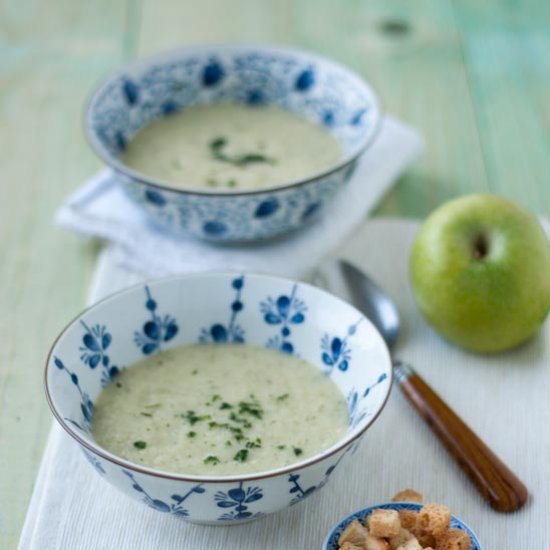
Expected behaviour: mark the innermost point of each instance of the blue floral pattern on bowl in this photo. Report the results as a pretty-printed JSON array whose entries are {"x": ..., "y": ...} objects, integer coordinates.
[
  {"x": 286, "y": 310},
  {"x": 86, "y": 404},
  {"x": 174, "y": 507},
  {"x": 231, "y": 332},
  {"x": 336, "y": 351},
  {"x": 95, "y": 342},
  {"x": 309, "y": 85},
  {"x": 157, "y": 330},
  {"x": 359, "y": 405},
  {"x": 216, "y": 308},
  {"x": 93, "y": 460},
  {"x": 238, "y": 501},
  {"x": 331, "y": 542},
  {"x": 300, "y": 493}
]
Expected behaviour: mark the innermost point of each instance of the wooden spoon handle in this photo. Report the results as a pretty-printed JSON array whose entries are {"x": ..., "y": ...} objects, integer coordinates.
[{"x": 492, "y": 478}]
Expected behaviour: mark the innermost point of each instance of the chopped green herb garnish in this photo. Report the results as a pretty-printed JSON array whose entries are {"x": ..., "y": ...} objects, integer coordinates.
[
  {"x": 214, "y": 424},
  {"x": 211, "y": 459},
  {"x": 225, "y": 405},
  {"x": 228, "y": 443},
  {"x": 297, "y": 451},
  {"x": 191, "y": 434},
  {"x": 194, "y": 371},
  {"x": 216, "y": 397},
  {"x": 282, "y": 397},
  {"x": 211, "y": 182},
  {"x": 140, "y": 444},
  {"x": 118, "y": 384},
  {"x": 250, "y": 158},
  {"x": 231, "y": 183},
  {"x": 216, "y": 146},
  {"x": 146, "y": 414},
  {"x": 256, "y": 444},
  {"x": 218, "y": 142},
  {"x": 281, "y": 447},
  {"x": 252, "y": 408},
  {"x": 193, "y": 418},
  {"x": 153, "y": 406},
  {"x": 241, "y": 456},
  {"x": 245, "y": 423}
]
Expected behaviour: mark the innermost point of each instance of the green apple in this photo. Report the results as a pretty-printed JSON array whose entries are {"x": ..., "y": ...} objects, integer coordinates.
[{"x": 480, "y": 272}]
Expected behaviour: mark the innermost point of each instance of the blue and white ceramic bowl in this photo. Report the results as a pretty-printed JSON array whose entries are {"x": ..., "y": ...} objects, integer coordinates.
[
  {"x": 314, "y": 87},
  {"x": 331, "y": 542},
  {"x": 260, "y": 310}
]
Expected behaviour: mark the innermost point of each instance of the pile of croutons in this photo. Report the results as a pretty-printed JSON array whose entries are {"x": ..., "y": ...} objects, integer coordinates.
[{"x": 427, "y": 529}]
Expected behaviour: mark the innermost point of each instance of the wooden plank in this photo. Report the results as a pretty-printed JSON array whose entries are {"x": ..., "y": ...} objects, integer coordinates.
[
  {"x": 52, "y": 54},
  {"x": 187, "y": 23},
  {"x": 507, "y": 55},
  {"x": 411, "y": 52}
]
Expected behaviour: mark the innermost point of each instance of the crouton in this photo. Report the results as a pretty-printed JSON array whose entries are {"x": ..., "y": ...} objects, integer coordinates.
[
  {"x": 408, "y": 519},
  {"x": 349, "y": 546},
  {"x": 375, "y": 543},
  {"x": 354, "y": 533},
  {"x": 384, "y": 523},
  {"x": 454, "y": 539},
  {"x": 411, "y": 544},
  {"x": 387, "y": 529},
  {"x": 425, "y": 539},
  {"x": 408, "y": 495},
  {"x": 433, "y": 519},
  {"x": 400, "y": 539}
]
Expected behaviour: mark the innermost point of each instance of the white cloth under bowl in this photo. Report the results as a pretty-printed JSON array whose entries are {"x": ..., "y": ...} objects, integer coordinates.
[
  {"x": 504, "y": 398},
  {"x": 100, "y": 208}
]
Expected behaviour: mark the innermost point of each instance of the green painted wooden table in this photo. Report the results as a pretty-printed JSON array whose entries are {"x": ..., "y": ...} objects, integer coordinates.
[{"x": 473, "y": 76}]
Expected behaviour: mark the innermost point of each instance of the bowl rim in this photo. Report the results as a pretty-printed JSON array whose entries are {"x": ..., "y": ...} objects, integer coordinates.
[
  {"x": 114, "y": 163},
  {"x": 95, "y": 448},
  {"x": 392, "y": 505}
]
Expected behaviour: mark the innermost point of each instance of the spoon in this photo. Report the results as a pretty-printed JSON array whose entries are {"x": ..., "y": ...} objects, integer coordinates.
[{"x": 497, "y": 484}]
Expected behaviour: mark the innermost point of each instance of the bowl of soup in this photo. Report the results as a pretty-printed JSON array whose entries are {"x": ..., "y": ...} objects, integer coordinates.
[
  {"x": 232, "y": 142},
  {"x": 218, "y": 398}
]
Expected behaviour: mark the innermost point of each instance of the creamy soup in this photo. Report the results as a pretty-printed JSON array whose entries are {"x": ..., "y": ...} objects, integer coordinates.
[
  {"x": 219, "y": 410},
  {"x": 231, "y": 147}
]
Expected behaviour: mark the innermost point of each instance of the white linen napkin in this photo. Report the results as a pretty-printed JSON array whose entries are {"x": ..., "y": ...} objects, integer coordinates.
[
  {"x": 100, "y": 208},
  {"x": 504, "y": 398}
]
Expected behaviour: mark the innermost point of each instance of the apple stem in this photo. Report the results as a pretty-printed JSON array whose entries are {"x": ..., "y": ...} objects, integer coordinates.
[{"x": 481, "y": 246}]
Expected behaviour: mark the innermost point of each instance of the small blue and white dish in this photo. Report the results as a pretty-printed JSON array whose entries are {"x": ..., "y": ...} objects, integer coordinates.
[
  {"x": 311, "y": 86},
  {"x": 218, "y": 307},
  {"x": 331, "y": 542}
]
